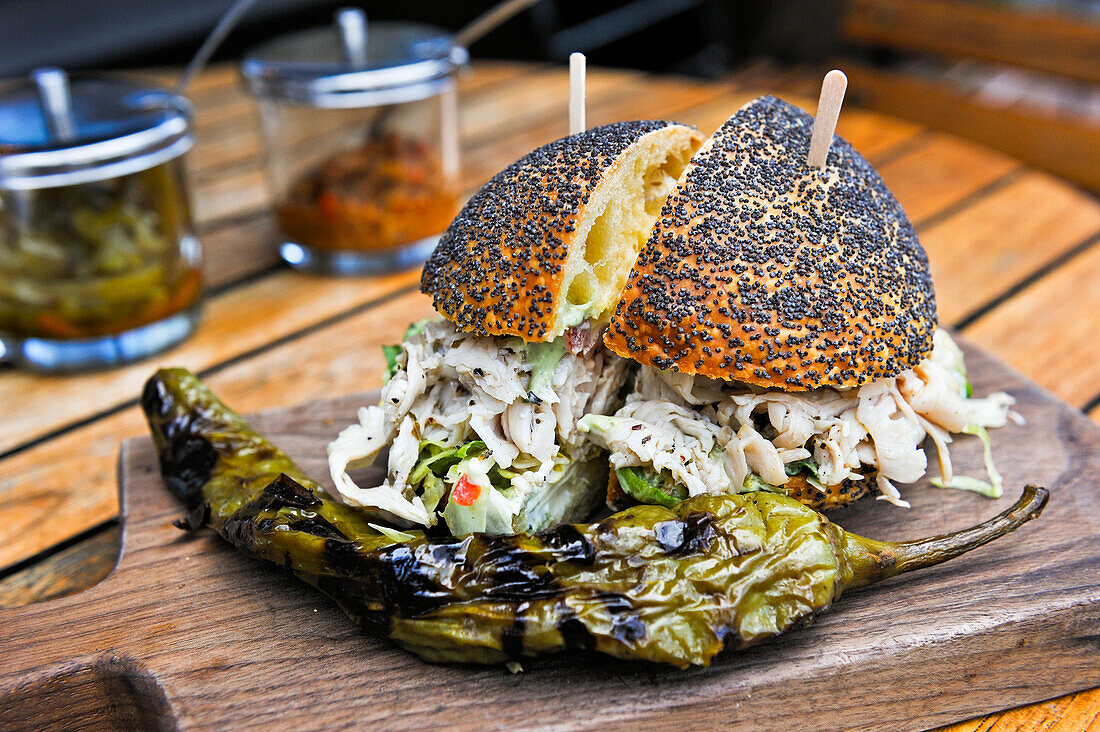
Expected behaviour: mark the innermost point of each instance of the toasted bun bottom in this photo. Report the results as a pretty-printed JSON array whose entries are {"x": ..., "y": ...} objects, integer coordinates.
[
  {"x": 835, "y": 496},
  {"x": 622, "y": 211}
]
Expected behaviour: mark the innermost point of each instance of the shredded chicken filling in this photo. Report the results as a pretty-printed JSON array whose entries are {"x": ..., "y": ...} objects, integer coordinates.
[
  {"x": 452, "y": 390},
  {"x": 720, "y": 437}
]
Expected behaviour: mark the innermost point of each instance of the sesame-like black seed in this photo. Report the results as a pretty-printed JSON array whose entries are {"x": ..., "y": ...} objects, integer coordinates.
[
  {"x": 514, "y": 231},
  {"x": 828, "y": 269}
]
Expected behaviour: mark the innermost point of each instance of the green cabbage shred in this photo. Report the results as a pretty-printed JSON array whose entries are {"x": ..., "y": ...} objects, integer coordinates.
[
  {"x": 994, "y": 488},
  {"x": 646, "y": 486}
]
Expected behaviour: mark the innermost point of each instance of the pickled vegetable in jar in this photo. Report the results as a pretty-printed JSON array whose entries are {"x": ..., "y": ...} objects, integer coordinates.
[
  {"x": 97, "y": 258},
  {"x": 99, "y": 264},
  {"x": 390, "y": 191}
]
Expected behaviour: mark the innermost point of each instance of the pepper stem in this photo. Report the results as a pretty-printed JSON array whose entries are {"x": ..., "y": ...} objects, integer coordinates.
[{"x": 871, "y": 561}]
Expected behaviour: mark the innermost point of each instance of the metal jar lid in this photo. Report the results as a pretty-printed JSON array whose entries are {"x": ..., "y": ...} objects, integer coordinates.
[
  {"x": 54, "y": 132},
  {"x": 349, "y": 65}
]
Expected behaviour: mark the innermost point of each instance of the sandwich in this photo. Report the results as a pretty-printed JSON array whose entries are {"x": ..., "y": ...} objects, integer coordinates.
[
  {"x": 785, "y": 322},
  {"x": 630, "y": 314},
  {"x": 478, "y": 420}
]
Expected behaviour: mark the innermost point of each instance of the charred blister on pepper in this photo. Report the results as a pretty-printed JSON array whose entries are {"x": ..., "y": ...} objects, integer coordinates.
[{"x": 673, "y": 586}]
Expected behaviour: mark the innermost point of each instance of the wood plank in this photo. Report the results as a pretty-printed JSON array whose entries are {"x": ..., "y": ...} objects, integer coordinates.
[
  {"x": 872, "y": 133},
  {"x": 229, "y": 196},
  {"x": 1063, "y": 43},
  {"x": 941, "y": 173},
  {"x": 542, "y": 93},
  {"x": 61, "y": 488},
  {"x": 66, "y": 485},
  {"x": 1071, "y": 713},
  {"x": 998, "y": 241},
  {"x": 642, "y": 98},
  {"x": 979, "y": 625},
  {"x": 244, "y": 249},
  {"x": 64, "y": 573},
  {"x": 1067, "y": 147},
  {"x": 234, "y": 323},
  {"x": 1048, "y": 330},
  {"x": 213, "y": 78}
]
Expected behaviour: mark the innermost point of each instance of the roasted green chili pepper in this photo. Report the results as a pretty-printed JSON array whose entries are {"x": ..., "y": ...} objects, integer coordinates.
[{"x": 649, "y": 583}]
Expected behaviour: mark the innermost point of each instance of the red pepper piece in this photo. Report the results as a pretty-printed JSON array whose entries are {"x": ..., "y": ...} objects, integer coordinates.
[{"x": 465, "y": 492}]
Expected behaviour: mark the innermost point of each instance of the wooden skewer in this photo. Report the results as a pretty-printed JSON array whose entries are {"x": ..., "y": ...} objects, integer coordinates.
[
  {"x": 828, "y": 110},
  {"x": 576, "y": 93}
]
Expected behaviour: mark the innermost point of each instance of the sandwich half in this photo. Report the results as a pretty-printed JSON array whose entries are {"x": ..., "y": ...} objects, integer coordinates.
[
  {"x": 785, "y": 321},
  {"x": 477, "y": 421}
]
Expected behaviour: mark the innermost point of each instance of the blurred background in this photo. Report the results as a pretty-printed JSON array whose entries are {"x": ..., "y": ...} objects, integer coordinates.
[{"x": 1022, "y": 76}]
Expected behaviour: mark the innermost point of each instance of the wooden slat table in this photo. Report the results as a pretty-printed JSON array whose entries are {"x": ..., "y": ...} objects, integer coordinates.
[{"x": 1015, "y": 253}]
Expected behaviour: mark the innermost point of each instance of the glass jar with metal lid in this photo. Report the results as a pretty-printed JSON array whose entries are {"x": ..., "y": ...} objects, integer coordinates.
[
  {"x": 99, "y": 264},
  {"x": 361, "y": 135}
]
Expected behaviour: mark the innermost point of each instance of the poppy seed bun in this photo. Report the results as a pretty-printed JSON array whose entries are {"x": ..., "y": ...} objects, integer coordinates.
[
  {"x": 765, "y": 271},
  {"x": 563, "y": 224}
]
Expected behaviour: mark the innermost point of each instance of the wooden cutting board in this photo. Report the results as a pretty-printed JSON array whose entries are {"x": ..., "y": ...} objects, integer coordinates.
[{"x": 187, "y": 633}]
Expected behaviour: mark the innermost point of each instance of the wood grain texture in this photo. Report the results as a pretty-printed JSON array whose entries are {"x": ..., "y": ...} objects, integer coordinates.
[
  {"x": 37, "y": 504},
  {"x": 643, "y": 98},
  {"x": 217, "y": 639},
  {"x": 1002, "y": 238},
  {"x": 1033, "y": 330},
  {"x": 232, "y": 326},
  {"x": 73, "y": 568},
  {"x": 1063, "y": 145},
  {"x": 1061, "y": 43},
  {"x": 1071, "y": 713},
  {"x": 940, "y": 173}
]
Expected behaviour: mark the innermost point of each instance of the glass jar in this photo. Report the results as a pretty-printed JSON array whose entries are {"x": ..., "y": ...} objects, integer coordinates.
[
  {"x": 361, "y": 135},
  {"x": 99, "y": 264}
]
